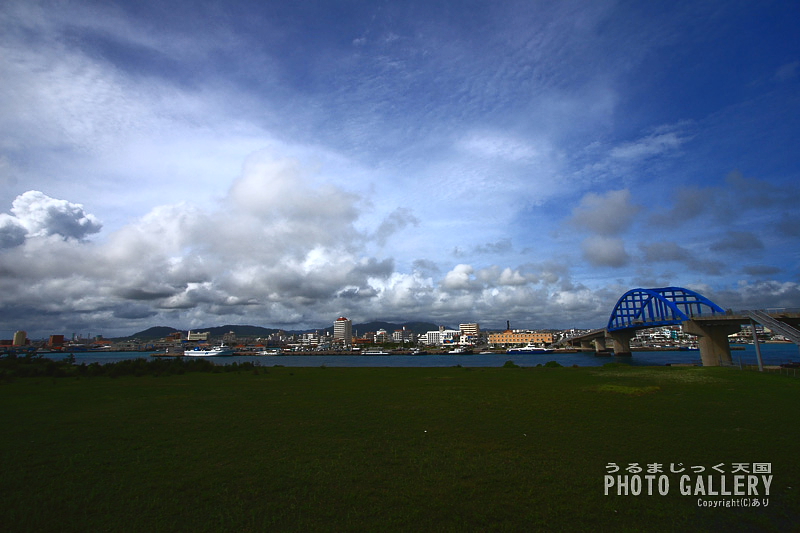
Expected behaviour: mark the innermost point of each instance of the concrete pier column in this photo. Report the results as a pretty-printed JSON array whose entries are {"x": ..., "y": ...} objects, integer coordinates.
[
  {"x": 600, "y": 344},
  {"x": 587, "y": 345},
  {"x": 712, "y": 341},
  {"x": 622, "y": 341}
]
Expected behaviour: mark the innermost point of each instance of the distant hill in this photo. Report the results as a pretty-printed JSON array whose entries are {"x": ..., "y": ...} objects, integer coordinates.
[
  {"x": 240, "y": 331},
  {"x": 159, "y": 332},
  {"x": 417, "y": 327}
]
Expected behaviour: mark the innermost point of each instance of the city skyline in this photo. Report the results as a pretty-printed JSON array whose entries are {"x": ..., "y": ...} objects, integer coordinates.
[{"x": 240, "y": 163}]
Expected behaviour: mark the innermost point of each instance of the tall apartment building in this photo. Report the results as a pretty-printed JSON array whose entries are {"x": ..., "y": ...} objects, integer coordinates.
[
  {"x": 343, "y": 330},
  {"x": 20, "y": 338}
]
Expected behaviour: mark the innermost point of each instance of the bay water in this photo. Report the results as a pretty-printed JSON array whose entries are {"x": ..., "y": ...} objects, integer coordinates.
[{"x": 772, "y": 354}]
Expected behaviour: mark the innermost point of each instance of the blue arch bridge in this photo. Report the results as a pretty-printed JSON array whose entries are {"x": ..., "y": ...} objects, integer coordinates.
[{"x": 697, "y": 315}]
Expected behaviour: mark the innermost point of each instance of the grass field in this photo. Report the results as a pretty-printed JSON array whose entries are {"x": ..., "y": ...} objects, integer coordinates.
[{"x": 389, "y": 449}]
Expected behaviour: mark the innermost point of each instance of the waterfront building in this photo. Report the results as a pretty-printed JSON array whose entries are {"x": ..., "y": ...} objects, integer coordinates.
[
  {"x": 56, "y": 342},
  {"x": 343, "y": 330},
  {"x": 20, "y": 338},
  {"x": 441, "y": 336},
  {"x": 521, "y": 337}
]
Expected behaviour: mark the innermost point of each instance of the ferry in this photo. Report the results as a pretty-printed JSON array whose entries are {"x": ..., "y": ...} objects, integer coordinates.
[
  {"x": 215, "y": 351},
  {"x": 530, "y": 348}
]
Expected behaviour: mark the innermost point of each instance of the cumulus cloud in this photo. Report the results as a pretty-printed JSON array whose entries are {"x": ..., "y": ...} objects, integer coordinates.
[
  {"x": 460, "y": 278},
  {"x": 12, "y": 232},
  {"x": 37, "y": 215},
  {"x": 609, "y": 214}
]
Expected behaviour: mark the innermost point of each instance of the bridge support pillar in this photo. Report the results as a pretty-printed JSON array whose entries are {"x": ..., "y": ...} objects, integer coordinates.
[
  {"x": 587, "y": 345},
  {"x": 622, "y": 341},
  {"x": 600, "y": 344},
  {"x": 712, "y": 341}
]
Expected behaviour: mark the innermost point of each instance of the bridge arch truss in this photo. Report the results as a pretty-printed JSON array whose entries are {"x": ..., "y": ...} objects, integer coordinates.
[{"x": 665, "y": 306}]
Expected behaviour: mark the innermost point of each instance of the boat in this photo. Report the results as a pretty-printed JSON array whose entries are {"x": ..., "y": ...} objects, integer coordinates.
[
  {"x": 375, "y": 352},
  {"x": 460, "y": 351},
  {"x": 214, "y": 351},
  {"x": 530, "y": 348}
]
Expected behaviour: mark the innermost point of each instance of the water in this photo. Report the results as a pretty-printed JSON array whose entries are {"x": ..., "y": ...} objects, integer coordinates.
[{"x": 772, "y": 354}]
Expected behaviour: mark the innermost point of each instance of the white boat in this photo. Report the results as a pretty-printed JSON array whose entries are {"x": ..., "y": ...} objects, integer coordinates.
[
  {"x": 460, "y": 351},
  {"x": 375, "y": 352},
  {"x": 530, "y": 348},
  {"x": 214, "y": 351}
]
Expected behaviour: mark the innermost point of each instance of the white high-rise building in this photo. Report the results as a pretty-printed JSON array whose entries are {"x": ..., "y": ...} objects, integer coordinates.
[{"x": 343, "y": 330}]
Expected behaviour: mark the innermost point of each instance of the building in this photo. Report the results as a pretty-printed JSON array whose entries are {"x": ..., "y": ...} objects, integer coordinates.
[
  {"x": 197, "y": 336},
  {"x": 343, "y": 330},
  {"x": 56, "y": 342},
  {"x": 470, "y": 333},
  {"x": 517, "y": 336},
  {"x": 441, "y": 336},
  {"x": 20, "y": 338},
  {"x": 404, "y": 336}
]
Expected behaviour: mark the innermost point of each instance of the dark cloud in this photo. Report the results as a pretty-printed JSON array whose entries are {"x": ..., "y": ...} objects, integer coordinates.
[
  {"x": 605, "y": 252},
  {"x": 134, "y": 312},
  {"x": 12, "y": 233},
  {"x": 789, "y": 226},
  {"x": 761, "y": 270},
  {"x": 607, "y": 215},
  {"x": 425, "y": 266},
  {"x": 759, "y": 295},
  {"x": 499, "y": 247},
  {"x": 663, "y": 252},
  {"x": 725, "y": 203},
  {"x": 144, "y": 295},
  {"x": 397, "y": 220},
  {"x": 738, "y": 241}
]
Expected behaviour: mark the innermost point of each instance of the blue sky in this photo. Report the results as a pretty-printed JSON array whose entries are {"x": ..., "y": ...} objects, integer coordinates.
[{"x": 282, "y": 164}]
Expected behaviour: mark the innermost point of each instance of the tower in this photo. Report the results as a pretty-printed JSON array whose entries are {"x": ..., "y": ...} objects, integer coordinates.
[{"x": 343, "y": 330}]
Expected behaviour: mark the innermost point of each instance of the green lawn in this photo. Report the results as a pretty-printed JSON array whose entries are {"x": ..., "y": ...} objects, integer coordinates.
[{"x": 388, "y": 449}]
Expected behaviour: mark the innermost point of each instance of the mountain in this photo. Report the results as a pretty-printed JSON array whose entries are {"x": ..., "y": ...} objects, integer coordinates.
[
  {"x": 240, "y": 331},
  {"x": 159, "y": 332},
  {"x": 417, "y": 327}
]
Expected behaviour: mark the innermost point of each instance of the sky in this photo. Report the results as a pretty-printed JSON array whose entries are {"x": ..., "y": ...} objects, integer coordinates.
[{"x": 284, "y": 163}]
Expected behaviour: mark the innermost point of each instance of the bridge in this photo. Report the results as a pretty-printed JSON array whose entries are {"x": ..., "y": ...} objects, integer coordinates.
[{"x": 649, "y": 308}]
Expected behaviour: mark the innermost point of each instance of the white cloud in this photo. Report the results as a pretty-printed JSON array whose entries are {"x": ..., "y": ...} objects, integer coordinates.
[
  {"x": 42, "y": 216},
  {"x": 460, "y": 278},
  {"x": 649, "y": 146}
]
